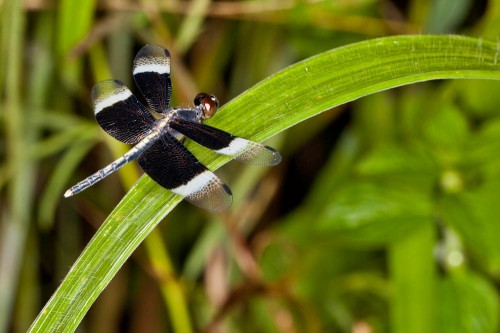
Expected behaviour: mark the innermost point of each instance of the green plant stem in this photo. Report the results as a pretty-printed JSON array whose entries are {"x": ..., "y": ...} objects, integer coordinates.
[
  {"x": 170, "y": 286},
  {"x": 16, "y": 218},
  {"x": 414, "y": 276}
]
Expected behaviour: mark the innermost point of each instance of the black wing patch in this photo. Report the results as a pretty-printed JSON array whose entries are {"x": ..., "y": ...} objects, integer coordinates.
[
  {"x": 172, "y": 166},
  {"x": 152, "y": 76},
  {"x": 227, "y": 144},
  {"x": 119, "y": 112}
]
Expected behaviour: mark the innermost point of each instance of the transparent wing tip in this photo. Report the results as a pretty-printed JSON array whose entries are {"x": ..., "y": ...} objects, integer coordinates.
[
  {"x": 206, "y": 191},
  {"x": 215, "y": 198},
  {"x": 258, "y": 154},
  {"x": 274, "y": 157}
]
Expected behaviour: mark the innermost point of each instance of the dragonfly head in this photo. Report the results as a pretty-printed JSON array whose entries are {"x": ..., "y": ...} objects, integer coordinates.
[{"x": 207, "y": 103}]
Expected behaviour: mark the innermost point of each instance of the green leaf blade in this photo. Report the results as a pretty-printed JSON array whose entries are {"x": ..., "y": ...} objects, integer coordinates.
[
  {"x": 467, "y": 303},
  {"x": 277, "y": 103}
]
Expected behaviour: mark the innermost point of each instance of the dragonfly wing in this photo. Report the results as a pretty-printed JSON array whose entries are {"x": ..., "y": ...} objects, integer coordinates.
[
  {"x": 152, "y": 75},
  {"x": 227, "y": 144},
  {"x": 172, "y": 166},
  {"x": 119, "y": 112}
]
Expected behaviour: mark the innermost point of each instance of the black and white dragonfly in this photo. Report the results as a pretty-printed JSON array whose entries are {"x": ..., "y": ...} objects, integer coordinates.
[{"x": 158, "y": 142}]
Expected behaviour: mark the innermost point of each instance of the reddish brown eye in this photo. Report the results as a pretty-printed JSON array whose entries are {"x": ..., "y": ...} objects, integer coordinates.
[{"x": 208, "y": 102}]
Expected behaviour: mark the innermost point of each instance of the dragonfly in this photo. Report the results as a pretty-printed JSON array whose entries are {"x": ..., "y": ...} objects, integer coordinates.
[{"x": 158, "y": 141}]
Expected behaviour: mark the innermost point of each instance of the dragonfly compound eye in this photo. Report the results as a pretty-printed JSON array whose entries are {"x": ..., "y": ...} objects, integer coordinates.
[{"x": 209, "y": 104}]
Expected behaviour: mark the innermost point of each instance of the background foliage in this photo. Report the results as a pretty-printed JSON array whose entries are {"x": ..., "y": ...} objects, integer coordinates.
[{"x": 382, "y": 217}]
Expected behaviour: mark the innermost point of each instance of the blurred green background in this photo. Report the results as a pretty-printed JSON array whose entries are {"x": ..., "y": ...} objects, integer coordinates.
[{"x": 382, "y": 217}]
